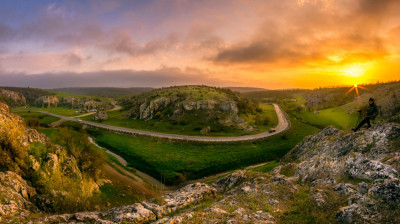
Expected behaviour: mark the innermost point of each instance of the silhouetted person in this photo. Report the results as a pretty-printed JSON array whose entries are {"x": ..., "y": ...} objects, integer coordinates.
[{"x": 372, "y": 112}]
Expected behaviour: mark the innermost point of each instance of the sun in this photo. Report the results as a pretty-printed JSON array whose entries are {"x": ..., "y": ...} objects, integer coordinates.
[{"x": 355, "y": 85}]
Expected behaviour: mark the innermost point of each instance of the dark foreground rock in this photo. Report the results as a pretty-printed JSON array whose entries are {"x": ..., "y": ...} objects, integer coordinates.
[{"x": 145, "y": 212}]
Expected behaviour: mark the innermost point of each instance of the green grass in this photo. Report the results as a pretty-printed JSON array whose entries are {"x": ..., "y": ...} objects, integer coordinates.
[
  {"x": 302, "y": 208},
  {"x": 55, "y": 110},
  {"x": 44, "y": 119},
  {"x": 116, "y": 196},
  {"x": 174, "y": 159},
  {"x": 332, "y": 116},
  {"x": 267, "y": 167},
  {"x": 120, "y": 119}
]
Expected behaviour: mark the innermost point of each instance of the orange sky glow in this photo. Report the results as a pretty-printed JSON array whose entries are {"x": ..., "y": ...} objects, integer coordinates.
[{"x": 269, "y": 44}]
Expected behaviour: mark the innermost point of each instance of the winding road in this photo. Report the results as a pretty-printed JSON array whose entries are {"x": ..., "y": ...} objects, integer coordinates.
[{"x": 283, "y": 125}]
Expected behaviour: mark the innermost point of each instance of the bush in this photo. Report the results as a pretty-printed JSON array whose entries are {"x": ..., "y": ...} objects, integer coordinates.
[
  {"x": 77, "y": 145},
  {"x": 288, "y": 170},
  {"x": 13, "y": 154},
  {"x": 32, "y": 122}
]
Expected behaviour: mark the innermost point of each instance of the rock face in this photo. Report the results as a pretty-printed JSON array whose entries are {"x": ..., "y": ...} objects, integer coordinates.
[
  {"x": 14, "y": 197},
  {"x": 71, "y": 102},
  {"x": 332, "y": 154},
  {"x": 144, "y": 212},
  {"x": 23, "y": 134},
  {"x": 368, "y": 155},
  {"x": 100, "y": 115},
  {"x": 47, "y": 101},
  {"x": 13, "y": 97},
  {"x": 226, "y": 113}
]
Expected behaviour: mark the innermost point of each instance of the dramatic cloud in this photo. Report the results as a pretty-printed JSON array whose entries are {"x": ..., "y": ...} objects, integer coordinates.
[
  {"x": 269, "y": 44},
  {"x": 123, "y": 78}
]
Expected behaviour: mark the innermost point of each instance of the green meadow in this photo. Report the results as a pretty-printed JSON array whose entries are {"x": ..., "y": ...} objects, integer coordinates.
[
  {"x": 191, "y": 127},
  {"x": 176, "y": 161}
]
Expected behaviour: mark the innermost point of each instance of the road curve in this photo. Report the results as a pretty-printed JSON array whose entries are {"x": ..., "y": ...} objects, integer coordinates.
[{"x": 283, "y": 125}]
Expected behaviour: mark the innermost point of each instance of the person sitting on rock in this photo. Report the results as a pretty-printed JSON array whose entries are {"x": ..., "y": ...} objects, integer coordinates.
[{"x": 372, "y": 112}]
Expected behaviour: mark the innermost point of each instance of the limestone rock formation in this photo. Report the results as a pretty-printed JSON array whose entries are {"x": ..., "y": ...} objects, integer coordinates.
[
  {"x": 100, "y": 115},
  {"x": 144, "y": 212},
  {"x": 14, "y": 97},
  {"x": 14, "y": 197},
  {"x": 47, "y": 101}
]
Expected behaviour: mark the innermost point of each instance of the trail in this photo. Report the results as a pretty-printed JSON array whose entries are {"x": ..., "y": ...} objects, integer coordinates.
[{"x": 62, "y": 120}]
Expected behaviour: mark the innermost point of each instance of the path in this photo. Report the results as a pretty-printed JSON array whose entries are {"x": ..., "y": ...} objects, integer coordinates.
[
  {"x": 283, "y": 125},
  {"x": 62, "y": 120}
]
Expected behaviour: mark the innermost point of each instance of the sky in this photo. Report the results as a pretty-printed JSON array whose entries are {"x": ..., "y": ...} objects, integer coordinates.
[{"x": 261, "y": 43}]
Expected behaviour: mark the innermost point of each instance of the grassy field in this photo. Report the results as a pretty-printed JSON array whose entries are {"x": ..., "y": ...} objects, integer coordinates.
[
  {"x": 44, "y": 119},
  {"x": 55, "y": 110},
  {"x": 177, "y": 160},
  {"x": 324, "y": 118},
  {"x": 120, "y": 119}
]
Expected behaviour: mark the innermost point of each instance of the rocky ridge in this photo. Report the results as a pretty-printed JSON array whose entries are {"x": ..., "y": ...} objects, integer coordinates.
[
  {"x": 13, "y": 97},
  {"x": 72, "y": 102},
  {"x": 145, "y": 212},
  {"x": 18, "y": 199},
  {"x": 222, "y": 108}
]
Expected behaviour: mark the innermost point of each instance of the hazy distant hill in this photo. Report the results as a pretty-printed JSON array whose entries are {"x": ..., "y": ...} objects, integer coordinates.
[
  {"x": 245, "y": 89},
  {"x": 104, "y": 91}
]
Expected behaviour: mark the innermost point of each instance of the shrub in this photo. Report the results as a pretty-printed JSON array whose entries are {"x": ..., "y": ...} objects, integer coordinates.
[
  {"x": 288, "y": 170},
  {"x": 32, "y": 122},
  {"x": 78, "y": 146},
  {"x": 13, "y": 154}
]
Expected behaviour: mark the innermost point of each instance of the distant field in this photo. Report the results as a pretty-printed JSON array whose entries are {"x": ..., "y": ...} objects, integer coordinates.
[
  {"x": 177, "y": 160},
  {"x": 44, "y": 119},
  {"x": 55, "y": 110},
  {"x": 324, "y": 118},
  {"x": 192, "y": 127}
]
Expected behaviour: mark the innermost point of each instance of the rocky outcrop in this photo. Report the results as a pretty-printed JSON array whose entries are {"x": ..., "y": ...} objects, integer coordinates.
[
  {"x": 100, "y": 115},
  {"x": 14, "y": 197},
  {"x": 144, "y": 212},
  {"x": 149, "y": 108},
  {"x": 332, "y": 154},
  {"x": 225, "y": 112},
  {"x": 14, "y": 97},
  {"x": 47, "y": 101},
  {"x": 14, "y": 125},
  {"x": 367, "y": 155},
  {"x": 71, "y": 102}
]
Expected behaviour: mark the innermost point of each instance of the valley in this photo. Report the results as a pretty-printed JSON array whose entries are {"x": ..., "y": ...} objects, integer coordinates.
[{"x": 145, "y": 160}]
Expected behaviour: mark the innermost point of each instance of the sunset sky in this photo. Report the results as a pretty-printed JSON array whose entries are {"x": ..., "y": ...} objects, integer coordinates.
[{"x": 261, "y": 43}]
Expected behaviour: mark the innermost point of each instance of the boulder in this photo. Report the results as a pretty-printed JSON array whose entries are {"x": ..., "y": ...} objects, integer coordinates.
[
  {"x": 100, "y": 115},
  {"x": 228, "y": 182}
]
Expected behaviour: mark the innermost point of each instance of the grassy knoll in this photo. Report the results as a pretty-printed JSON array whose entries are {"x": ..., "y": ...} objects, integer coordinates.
[
  {"x": 177, "y": 160},
  {"x": 55, "y": 110},
  {"x": 120, "y": 119}
]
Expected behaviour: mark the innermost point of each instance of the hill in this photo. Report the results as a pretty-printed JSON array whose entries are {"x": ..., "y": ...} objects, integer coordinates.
[
  {"x": 214, "y": 109},
  {"x": 41, "y": 98},
  {"x": 245, "y": 89},
  {"x": 331, "y": 177},
  {"x": 104, "y": 91}
]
